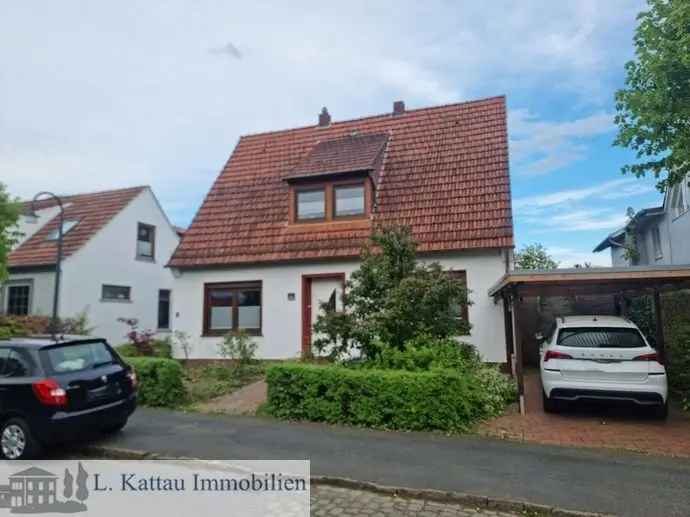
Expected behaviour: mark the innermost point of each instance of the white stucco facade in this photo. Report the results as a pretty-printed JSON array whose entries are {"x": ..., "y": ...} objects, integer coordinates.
[
  {"x": 110, "y": 258},
  {"x": 281, "y": 335}
]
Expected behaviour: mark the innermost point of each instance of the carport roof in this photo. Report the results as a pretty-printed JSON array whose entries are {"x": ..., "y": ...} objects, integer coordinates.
[{"x": 593, "y": 280}]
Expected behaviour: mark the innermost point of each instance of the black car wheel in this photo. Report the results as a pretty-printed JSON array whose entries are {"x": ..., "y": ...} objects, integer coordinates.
[
  {"x": 550, "y": 405},
  {"x": 16, "y": 440},
  {"x": 115, "y": 428},
  {"x": 661, "y": 412}
]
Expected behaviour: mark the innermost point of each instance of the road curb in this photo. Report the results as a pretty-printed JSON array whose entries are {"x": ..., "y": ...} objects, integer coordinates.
[{"x": 439, "y": 496}]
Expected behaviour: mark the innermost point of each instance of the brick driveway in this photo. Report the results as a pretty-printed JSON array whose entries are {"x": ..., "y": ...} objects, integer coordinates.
[
  {"x": 615, "y": 428},
  {"x": 329, "y": 501}
]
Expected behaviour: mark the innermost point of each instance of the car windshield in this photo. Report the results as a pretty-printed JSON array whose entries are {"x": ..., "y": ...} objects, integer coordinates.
[
  {"x": 596, "y": 337},
  {"x": 74, "y": 358}
]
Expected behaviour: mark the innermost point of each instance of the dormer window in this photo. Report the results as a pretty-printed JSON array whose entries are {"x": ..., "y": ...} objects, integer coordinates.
[
  {"x": 311, "y": 204},
  {"x": 349, "y": 200},
  {"x": 66, "y": 227}
]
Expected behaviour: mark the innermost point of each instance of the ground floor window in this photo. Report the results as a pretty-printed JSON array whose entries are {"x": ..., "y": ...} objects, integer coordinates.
[
  {"x": 18, "y": 300},
  {"x": 232, "y": 306},
  {"x": 116, "y": 293},
  {"x": 164, "y": 309},
  {"x": 461, "y": 310}
]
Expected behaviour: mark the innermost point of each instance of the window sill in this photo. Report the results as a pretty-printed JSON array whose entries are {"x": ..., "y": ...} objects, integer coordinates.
[
  {"x": 223, "y": 334},
  {"x": 164, "y": 331},
  {"x": 150, "y": 260},
  {"x": 108, "y": 300}
]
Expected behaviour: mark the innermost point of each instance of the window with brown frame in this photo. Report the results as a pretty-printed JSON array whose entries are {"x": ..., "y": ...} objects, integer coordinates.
[
  {"x": 146, "y": 241},
  {"x": 310, "y": 204},
  {"x": 232, "y": 306},
  {"x": 461, "y": 310},
  {"x": 349, "y": 200},
  {"x": 330, "y": 201}
]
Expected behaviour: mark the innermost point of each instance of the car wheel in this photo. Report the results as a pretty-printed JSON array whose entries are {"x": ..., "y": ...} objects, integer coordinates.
[
  {"x": 550, "y": 405},
  {"x": 661, "y": 412},
  {"x": 16, "y": 441},
  {"x": 115, "y": 428}
]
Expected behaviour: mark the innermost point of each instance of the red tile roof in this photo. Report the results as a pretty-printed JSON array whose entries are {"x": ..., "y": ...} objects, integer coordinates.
[
  {"x": 348, "y": 154},
  {"x": 93, "y": 211},
  {"x": 444, "y": 172}
]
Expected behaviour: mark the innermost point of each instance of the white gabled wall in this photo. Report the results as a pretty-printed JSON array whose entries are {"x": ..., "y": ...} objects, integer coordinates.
[
  {"x": 110, "y": 258},
  {"x": 282, "y": 318}
]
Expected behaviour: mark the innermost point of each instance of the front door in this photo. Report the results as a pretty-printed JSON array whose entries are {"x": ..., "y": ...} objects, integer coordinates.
[{"x": 319, "y": 290}]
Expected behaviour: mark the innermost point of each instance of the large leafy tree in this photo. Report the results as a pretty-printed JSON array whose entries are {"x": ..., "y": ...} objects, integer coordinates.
[
  {"x": 534, "y": 256},
  {"x": 392, "y": 299},
  {"x": 9, "y": 215},
  {"x": 653, "y": 110}
]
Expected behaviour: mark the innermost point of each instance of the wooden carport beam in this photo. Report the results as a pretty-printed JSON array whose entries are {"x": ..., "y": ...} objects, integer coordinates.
[
  {"x": 658, "y": 314},
  {"x": 514, "y": 298}
]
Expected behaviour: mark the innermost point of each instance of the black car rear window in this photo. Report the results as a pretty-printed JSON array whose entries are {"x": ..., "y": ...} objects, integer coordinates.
[
  {"x": 76, "y": 358},
  {"x": 597, "y": 337}
]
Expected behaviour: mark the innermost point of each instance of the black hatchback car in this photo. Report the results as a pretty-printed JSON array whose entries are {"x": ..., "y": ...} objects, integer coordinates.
[{"x": 54, "y": 390}]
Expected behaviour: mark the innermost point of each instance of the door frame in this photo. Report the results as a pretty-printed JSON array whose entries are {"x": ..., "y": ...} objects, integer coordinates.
[{"x": 306, "y": 305}]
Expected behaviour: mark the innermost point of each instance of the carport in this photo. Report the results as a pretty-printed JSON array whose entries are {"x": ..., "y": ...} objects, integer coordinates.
[{"x": 619, "y": 284}]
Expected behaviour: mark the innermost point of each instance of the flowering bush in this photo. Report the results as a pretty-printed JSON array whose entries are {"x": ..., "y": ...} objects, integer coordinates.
[{"x": 142, "y": 340}]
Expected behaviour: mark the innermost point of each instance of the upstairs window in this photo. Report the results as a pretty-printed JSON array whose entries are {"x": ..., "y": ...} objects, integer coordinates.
[
  {"x": 349, "y": 200},
  {"x": 66, "y": 227},
  {"x": 656, "y": 241},
  {"x": 311, "y": 204},
  {"x": 329, "y": 201},
  {"x": 146, "y": 241}
]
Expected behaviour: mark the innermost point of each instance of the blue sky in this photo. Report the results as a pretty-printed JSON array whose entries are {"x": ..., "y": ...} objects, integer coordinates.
[{"x": 96, "y": 95}]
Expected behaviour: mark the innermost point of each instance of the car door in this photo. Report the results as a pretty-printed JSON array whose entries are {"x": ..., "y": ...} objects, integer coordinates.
[{"x": 17, "y": 368}]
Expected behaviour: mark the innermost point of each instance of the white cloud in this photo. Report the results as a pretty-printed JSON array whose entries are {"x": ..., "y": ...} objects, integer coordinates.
[
  {"x": 101, "y": 95},
  {"x": 569, "y": 257},
  {"x": 623, "y": 187},
  {"x": 539, "y": 147}
]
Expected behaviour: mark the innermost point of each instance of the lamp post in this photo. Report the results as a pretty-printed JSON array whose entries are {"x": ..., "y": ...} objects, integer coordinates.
[{"x": 58, "y": 262}]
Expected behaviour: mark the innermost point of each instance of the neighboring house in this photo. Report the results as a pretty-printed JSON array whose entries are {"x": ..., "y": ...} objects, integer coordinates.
[
  {"x": 283, "y": 225},
  {"x": 116, "y": 246},
  {"x": 662, "y": 234}
]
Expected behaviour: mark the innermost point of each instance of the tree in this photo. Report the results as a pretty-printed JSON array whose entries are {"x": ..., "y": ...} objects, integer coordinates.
[
  {"x": 534, "y": 256},
  {"x": 653, "y": 110},
  {"x": 69, "y": 485},
  {"x": 9, "y": 235},
  {"x": 82, "y": 491},
  {"x": 391, "y": 299}
]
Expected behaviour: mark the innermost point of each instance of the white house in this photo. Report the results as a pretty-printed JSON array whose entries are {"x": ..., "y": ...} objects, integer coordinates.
[
  {"x": 116, "y": 246},
  {"x": 283, "y": 225},
  {"x": 662, "y": 234}
]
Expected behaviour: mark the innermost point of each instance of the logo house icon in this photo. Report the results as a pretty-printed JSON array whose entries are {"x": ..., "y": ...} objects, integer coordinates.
[{"x": 34, "y": 490}]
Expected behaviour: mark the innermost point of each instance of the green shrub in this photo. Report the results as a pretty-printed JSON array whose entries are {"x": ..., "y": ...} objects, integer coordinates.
[
  {"x": 160, "y": 381},
  {"x": 427, "y": 353},
  {"x": 444, "y": 400},
  {"x": 676, "y": 310},
  {"x": 5, "y": 333},
  {"x": 160, "y": 347}
]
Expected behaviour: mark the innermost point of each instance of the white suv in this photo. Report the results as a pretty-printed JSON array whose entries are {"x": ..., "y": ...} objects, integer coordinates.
[{"x": 601, "y": 357}]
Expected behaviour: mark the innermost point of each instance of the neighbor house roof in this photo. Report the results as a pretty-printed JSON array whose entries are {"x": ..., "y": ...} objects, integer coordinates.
[
  {"x": 92, "y": 211},
  {"x": 442, "y": 170},
  {"x": 641, "y": 217}
]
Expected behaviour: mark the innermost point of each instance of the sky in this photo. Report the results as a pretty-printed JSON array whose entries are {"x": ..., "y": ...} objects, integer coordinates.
[{"x": 99, "y": 95}]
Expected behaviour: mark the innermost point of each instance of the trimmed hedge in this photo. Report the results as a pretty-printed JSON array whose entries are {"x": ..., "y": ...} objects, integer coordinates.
[
  {"x": 160, "y": 381},
  {"x": 390, "y": 399}
]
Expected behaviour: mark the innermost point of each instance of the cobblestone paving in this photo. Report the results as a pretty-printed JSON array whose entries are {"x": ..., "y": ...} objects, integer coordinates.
[{"x": 329, "y": 501}]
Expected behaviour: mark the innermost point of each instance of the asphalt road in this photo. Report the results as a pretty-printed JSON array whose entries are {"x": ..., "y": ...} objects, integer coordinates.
[{"x": 596, "y": 481}]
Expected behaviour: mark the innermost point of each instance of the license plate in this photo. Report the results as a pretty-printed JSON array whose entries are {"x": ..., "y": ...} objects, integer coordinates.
[{"x": 107, "y": 391}]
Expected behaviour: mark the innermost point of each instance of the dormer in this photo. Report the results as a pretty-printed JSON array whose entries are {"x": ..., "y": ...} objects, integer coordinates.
[{"x": 337, "y": 179}]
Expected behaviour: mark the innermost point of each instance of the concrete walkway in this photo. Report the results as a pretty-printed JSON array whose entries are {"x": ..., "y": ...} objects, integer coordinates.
[
  {"x": 244, "y": 401},
  {"x": 579, "y": 479}
]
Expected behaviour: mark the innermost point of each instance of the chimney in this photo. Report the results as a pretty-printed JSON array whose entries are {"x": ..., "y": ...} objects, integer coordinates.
[
  {"x": 324, "y": 118},
  {"x": 398, "y": 108}
]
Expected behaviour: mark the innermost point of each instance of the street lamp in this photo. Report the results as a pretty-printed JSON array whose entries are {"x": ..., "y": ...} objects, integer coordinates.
[{"x": 58, "y": 262}]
